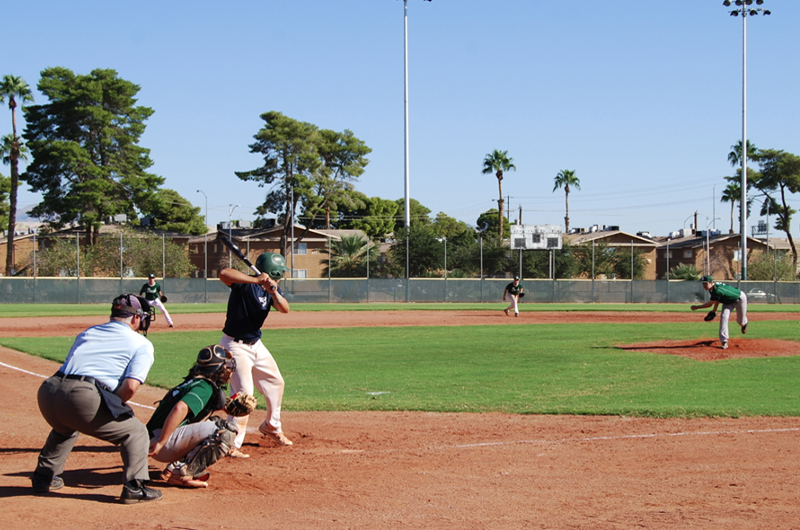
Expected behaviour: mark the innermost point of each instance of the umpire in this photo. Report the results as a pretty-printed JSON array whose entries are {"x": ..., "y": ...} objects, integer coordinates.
[{"x": 103, "y": 370}]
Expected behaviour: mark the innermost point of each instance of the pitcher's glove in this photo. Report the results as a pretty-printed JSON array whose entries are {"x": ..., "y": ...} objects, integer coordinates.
[
  {"x": 521, "y": 295},
  {"x": 240, "y": 404},
  {"x": 711, "y": 315},
  {"x": 164, "y": 299}
]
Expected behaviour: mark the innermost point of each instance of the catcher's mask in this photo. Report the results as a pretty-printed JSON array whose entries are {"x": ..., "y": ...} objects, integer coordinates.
[
  {"x": 128, "y": 305},
  {"x": 212, "y": 358},
  {"x": 273, "y": 264}
]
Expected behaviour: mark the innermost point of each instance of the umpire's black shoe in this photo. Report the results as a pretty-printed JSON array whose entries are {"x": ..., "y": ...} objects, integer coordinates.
[
  {"x": 42, "y": 485},
  {"x": 135, "y": 491}
]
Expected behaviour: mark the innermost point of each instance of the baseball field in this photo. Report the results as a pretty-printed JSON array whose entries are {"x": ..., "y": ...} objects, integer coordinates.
[{"x": 453, "y": 417}]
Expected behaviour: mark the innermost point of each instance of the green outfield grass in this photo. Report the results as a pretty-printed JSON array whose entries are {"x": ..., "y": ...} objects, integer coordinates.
[
  {"x": 38, "y": 310},
  {"x": 525, "y": 369}
]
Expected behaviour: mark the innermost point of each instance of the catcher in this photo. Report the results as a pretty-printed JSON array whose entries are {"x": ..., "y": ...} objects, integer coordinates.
[
  {"x": 515, "y": 291},
  {"x": 730, "y": 298},
  {"x": 182, "y": 429}
]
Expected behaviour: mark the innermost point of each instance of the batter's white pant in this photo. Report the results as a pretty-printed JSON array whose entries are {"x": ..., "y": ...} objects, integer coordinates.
[
  {"x": 741, "y": 316},
  {"x": 514, "y": 304},
  {"x": 161, "y": 308},
  {"x": 255, "y": 368}
]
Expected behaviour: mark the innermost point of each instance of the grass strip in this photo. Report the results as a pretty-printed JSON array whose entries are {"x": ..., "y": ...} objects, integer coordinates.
[{"x": 525, "y": 369}]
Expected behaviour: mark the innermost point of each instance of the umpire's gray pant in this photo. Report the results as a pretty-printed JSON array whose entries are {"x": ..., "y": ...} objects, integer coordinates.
[{"x": 71, "y": 407}]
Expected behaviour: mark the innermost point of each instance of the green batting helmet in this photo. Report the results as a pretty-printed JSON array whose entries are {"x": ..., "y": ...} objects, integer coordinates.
[{"x": 273, "y": 264}]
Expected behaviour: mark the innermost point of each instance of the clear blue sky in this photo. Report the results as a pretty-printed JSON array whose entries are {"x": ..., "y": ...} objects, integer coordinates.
[{"x": 641, "y": 98}]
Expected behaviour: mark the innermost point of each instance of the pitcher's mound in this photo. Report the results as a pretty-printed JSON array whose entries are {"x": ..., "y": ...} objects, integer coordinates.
[{"x": 710, "y": 349}]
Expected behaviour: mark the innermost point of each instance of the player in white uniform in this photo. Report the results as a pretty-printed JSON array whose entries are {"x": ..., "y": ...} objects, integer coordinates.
[{"x": 152, "y": 293}]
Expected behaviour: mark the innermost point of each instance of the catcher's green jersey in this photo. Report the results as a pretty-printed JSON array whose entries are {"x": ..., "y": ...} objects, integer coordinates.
[
  {"x": 725, "y": 294},
  {"x": 198, "y": 394}
]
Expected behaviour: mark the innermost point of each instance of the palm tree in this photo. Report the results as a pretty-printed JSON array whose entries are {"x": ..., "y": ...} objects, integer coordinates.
[
  {"x": 497, "y": 162},
  {"x": 565, "y": 179},
  {"x": 13, "y": 88},
  {"x": 734, "y": 157},
  {"x": 732, "y": 194},
  {"x": 347, "y": 257}
]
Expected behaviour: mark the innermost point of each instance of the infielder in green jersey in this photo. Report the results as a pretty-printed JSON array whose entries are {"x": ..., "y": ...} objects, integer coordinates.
[
  {"x": 152, "y": 293},
  {"x": 731, "y": 298},
  {"x": 513, "y": 289}
]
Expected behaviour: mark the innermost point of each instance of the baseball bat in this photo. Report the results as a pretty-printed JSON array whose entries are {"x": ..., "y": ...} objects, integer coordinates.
[{"x": 238, "y": 253}]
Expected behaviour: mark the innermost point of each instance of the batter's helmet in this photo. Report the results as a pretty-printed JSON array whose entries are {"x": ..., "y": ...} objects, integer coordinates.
[{"x": 273, "y": 264}]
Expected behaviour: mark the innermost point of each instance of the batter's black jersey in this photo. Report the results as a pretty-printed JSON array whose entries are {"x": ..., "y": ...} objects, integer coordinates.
[{"x": 248, "y": 307}]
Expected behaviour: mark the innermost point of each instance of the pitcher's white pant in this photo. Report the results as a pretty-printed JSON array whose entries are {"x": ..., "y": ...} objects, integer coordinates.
[
  {"x": 255, "y": 367},
  {"x": 161, "y": 308},
  {"x": 741, "y": 316},
  {"x": 514, "y": 304}
]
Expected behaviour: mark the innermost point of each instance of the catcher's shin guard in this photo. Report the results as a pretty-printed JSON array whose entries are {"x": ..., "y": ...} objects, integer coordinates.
[{"x": 212, "y": 449}]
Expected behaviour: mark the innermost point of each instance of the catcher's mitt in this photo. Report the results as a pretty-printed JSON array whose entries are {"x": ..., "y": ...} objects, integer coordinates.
[
  {"x": 240, "y": 404},
  {"x": 521, "y": 295},
  {"x": 164, "y": 299},
  {"x": 711, "y": 315}
]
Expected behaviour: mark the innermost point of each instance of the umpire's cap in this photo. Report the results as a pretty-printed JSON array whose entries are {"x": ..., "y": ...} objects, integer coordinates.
[
  {"x": 127, "y": 305},
  {"x": 707, "y": 279},
  {"x": 273, "y": 264},
  {"x": 212, "y": 357}
]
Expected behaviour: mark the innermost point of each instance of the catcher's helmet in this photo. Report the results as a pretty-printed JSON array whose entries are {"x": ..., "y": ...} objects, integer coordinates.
[
  {"x": 212, "y": 358},
  {"x": 273, "y": 264},
  {"x": 706, "y": 279}
]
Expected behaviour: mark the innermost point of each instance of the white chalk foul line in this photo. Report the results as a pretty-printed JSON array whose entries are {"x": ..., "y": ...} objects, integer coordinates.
[
  {"x": 620, "y": 437},
  {"x": 46, "y": 376}
]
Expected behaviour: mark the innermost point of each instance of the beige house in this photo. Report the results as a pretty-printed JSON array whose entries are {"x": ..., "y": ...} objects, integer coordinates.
[
  {"x": 710, "y": 253},
  {"x": 615, "y": 238}
]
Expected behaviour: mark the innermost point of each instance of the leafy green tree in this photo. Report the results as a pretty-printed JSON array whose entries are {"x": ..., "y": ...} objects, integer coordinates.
[
  {"x": 597, "y": 258},
  {"x": 424, "y": 250},
  {"x": 536, "y": 263},
  {"x": 498, "y": 162},
  {"x": 418, "y": 213},
  {"x": 343, "y": 159},
  {"x": 172, "y": 212},
  {"x": 17, "y": 91},
  {"x": 375, "y": 217},
  {"x": 86, "y": 159},
  {"x": 141, "y": 255},
  {"x": 780, "y": 172},
  {"x": 487, "y": 224},
  {"x": 498, "y": 259},
  {"x": 684, "y": 271},
  {"x": 565, "y": 179},
  {"x": 291, "y": 160},
  {"x": 621, "y": 263},
  {"x": 771, "y": 266}
]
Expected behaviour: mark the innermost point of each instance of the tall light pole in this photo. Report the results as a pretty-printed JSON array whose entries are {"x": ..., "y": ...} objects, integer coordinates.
[
  {"x": 231, "y": 208},
  {"x": 205, "y": 252},
  {"x": 744, "y": 9},
  {"x": 405, "y": 123}
]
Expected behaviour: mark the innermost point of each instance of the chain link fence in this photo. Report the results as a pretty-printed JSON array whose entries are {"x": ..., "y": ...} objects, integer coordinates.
[{"x": 27, "y": 290}]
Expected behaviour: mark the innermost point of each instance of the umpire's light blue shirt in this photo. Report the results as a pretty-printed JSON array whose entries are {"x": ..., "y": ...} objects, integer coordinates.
[{"x": 110, "y": 352}]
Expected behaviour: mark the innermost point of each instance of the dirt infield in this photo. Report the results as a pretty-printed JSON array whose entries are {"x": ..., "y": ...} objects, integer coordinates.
[{"x": 420, "y": 470}]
